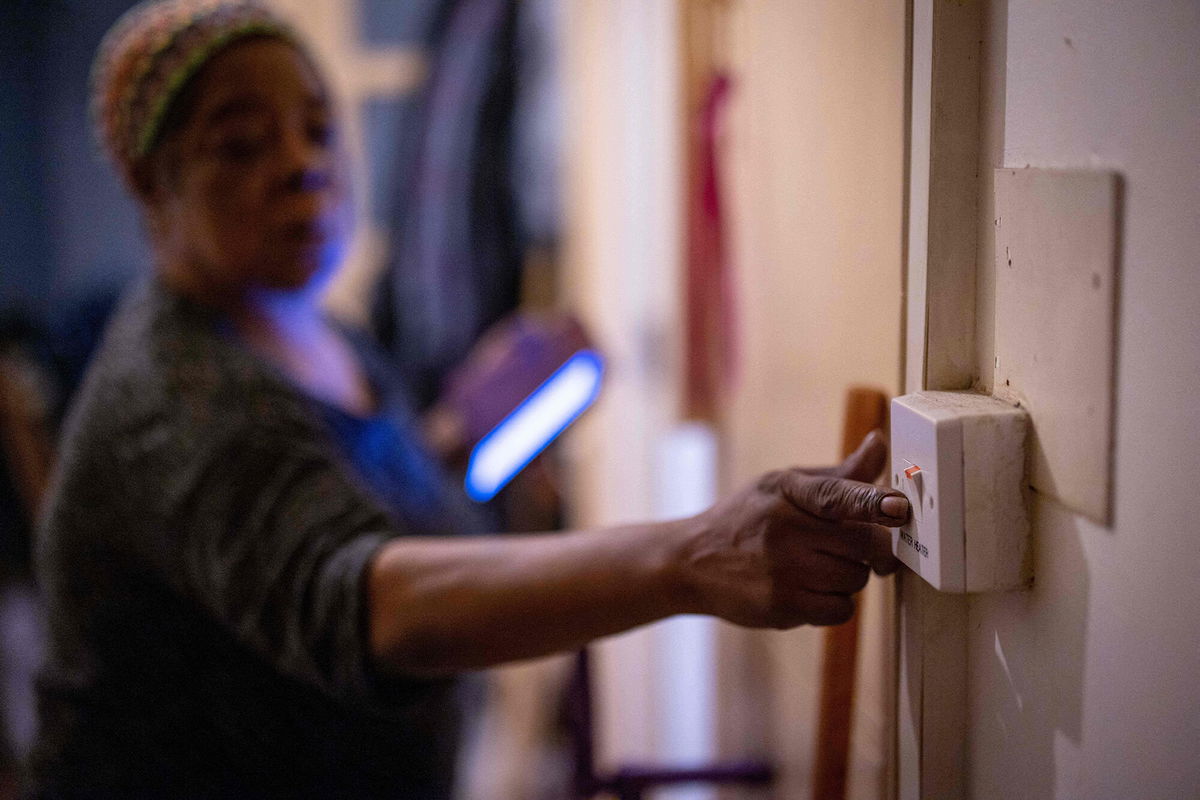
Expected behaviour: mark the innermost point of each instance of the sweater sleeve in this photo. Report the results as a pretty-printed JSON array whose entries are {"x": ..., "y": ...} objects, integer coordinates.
[{"x": 262, "y": 529}]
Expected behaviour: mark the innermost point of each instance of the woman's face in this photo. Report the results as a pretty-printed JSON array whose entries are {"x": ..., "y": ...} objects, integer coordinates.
[{"x": 256, "y": 196}]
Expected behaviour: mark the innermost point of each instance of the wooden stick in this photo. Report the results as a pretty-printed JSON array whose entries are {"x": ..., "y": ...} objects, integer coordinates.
[{"x": 866, "y": 410}]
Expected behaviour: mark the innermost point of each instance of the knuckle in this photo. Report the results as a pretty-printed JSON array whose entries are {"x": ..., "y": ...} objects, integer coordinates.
[
  {"x": 783, "y": 617},
  {"x": 777, "y": 539},
  {"x": 838, "y": 499},
  {"x": 861, "y": 576},
  {"x": 847, "y": 578},
  {"x": 779, "y": 620},
  {"x": 843, "y": 611},
  {"x": 886, "y": 564},
  {"x": 828, "y": 496},
  {"x": 836, "y": 610},
  {"x": 783, "y": 610},
  {"x": 772, "y": 482}
]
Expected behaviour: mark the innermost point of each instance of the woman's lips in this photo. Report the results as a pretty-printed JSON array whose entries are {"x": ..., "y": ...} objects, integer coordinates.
[{"x": 306, "y": 232}]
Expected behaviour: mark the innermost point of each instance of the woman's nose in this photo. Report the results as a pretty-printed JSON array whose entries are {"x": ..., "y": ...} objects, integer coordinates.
[
  {"x": 307, "y": 179},
  {"x": 308, "y": 165}
]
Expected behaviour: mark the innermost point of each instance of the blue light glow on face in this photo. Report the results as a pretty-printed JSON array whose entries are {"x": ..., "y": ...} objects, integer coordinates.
[{"x": 534, "y": 424}]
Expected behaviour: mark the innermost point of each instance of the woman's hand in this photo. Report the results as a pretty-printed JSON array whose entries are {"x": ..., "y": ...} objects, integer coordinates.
[{"x": 793, "y": 547}]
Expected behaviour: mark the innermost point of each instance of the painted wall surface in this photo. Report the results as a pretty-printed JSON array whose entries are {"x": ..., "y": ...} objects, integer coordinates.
[
  {"x": 623, "y": 223},
  {"x": 67, "y": 229},
  {"x": 23, "y": 240},
  {"x": 814, "y": 186},
  {"x": 1085, "y": 686},
  {"x": 815, "y": 144}
]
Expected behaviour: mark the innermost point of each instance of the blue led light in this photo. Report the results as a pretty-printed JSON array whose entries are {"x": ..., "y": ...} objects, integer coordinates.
[{"x": 534, "y": 424}]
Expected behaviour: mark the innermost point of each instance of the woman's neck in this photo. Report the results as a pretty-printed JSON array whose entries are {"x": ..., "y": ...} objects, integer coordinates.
[
  {"x": 292, "y": 321},
  {"x": 290, "y": 331}
]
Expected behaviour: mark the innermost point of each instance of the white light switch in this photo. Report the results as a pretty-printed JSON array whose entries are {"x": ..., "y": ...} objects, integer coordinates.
[{"x": 959, "y": 457}]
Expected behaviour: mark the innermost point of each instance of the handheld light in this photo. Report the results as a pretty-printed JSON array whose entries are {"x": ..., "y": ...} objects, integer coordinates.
[{"x": 535, "y": 423}]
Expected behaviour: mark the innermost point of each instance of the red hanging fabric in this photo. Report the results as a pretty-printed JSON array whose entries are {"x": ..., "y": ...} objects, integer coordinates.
[{"x": 709, "y": 299}]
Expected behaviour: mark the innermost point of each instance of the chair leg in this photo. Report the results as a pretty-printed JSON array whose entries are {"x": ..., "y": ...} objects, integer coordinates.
[{"x": 866, "y": 410}]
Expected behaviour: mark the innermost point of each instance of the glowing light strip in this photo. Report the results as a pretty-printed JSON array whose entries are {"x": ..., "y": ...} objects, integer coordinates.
[{"x": 531, "y": 426}]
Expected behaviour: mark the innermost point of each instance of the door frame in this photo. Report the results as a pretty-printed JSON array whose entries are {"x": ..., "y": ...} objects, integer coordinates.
[{"x": 943, "y": 192}]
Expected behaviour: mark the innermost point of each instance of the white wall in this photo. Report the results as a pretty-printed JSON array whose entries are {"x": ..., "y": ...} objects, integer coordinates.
[
  {"x": 815, "y": 170},
  {"x": 624, "y": 205},
  {"x": 815, "y": 142},
  {"x": 1087, "y": 686}
]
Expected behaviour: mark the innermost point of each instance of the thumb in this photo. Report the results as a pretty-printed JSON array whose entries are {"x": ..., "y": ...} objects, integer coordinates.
[
  {"x": 865, "y": 463},
  {"x": 841, "y": 500}
]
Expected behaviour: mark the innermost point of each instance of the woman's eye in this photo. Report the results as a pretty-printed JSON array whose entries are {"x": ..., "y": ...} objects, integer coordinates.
[
  {"x": 321, "y": 133},
  {"x": 240, "y": 148}
]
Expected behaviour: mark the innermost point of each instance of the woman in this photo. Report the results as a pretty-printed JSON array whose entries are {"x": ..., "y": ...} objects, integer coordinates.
[{"x": 249, "y": 585}]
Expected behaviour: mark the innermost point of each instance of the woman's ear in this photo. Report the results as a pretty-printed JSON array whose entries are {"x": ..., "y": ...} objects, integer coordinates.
[
  {"x": 148, "y": 179},
  {"x": 156, "y": 174},
  {"x": 143, "y": 181}
]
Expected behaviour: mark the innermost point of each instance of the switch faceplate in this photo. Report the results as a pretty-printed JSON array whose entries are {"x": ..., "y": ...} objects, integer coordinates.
[{"x": 959, "y": 457}]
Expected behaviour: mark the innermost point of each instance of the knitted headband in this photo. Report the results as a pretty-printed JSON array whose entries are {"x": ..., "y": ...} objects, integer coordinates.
[{"x": 149, "y": 55}]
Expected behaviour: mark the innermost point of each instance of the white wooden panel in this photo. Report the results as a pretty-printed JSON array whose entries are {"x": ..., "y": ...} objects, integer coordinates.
[
  {"x": 920, "y": 141},
  {"x": 1056, "y": 244},
  {"x": 939, "y": 349},
  {"x": 953, "y": 196},
  {"x": 932, "y": 714},
  {"x": 943, "y": 693}
]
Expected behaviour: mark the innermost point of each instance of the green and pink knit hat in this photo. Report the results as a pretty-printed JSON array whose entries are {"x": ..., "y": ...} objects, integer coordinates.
[{"x": 149, "y": 55}]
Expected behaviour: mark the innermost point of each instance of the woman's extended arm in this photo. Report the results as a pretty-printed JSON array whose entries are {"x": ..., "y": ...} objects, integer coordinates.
[{"x": 790, "y": 549}]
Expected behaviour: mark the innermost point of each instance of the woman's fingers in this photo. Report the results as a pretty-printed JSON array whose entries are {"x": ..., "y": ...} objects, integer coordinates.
[
  {"x": 864, "y": 464},
  {"x": 837, "y": 499},
  {"x": 859, "y": 541},
  {"x": 802, "y": 606},
  {"x": 832, "y": 575}
]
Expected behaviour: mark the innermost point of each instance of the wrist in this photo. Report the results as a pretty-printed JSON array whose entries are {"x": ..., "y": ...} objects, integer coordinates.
[{"x": 679, "y": 577}]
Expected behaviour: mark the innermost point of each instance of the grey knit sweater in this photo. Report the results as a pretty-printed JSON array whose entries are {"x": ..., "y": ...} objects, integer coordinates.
[{"x": 202, "y": 560}]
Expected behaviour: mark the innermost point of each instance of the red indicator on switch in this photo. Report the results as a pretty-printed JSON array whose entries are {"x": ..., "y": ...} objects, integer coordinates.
[{"x": 912, "y": 471}]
